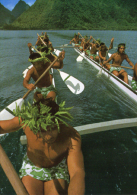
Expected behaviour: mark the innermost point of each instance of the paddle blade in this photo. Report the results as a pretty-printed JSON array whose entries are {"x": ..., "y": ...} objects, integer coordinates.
[
  {"x": 72, "y": 83},
  {"x": 6, "y": 115},
  {"x": 80, "y": 57},
  {"x": 99, "y": 73},
  {"x": 109, "y": 55},
  {"x": 57, "y": 52}
]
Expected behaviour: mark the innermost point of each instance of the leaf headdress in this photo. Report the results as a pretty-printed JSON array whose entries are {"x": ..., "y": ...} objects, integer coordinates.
[
  {"x": 39, "y": 116},
  {"x": 43, "y": 56}
]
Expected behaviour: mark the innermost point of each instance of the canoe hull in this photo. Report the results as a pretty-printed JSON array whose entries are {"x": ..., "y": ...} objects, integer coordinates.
[{"x": 118, "y": 82}]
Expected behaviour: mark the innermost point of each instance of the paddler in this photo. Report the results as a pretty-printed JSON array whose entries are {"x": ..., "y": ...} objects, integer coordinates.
[
  {"x": 81, "y": 45},
  {"x": 93, "y": 49},
  {"x": 103, "y": 49},
  {"x": 76, "y": 39},
  {"x": 40, "y": 44},
  {"x": 41, "y": 62},
  {"x": 134, "y": 80},
  {"x": 86, "y": 44},
  {"x": 53, "y": 163},
  {"x": 117, "y": 59}
]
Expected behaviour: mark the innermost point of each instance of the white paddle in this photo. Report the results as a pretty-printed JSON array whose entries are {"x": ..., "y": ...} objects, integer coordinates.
[
  {"x": 80, "y": 57},
  {"x": 72, "y": 83}
]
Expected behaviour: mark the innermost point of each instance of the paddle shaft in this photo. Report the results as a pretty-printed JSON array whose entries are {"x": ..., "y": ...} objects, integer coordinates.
[
  {"x": 92, "y": 37},
  {"x": 42, "y": 40},
  {"x": 66, "y": 47},
  {"x": 121, "y": 66},
  {"x": 11, "y": 173},
  {"x": 41, "y": 77}
]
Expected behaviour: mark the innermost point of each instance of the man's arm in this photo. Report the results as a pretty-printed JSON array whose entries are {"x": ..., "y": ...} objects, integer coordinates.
[
  {"x": 72, "y": 41},
  {"x": 89, "y": 39},
  {"x": 76, "y": 169},
  {"x": 59, "y": 63},
  {"x": 101, "y": 57},
  {"x": 27, "y": 79},
  {"x": 38, "y": 42},
  {"x": 29, "y": 46},
  {"x": 130, "y": 63},
  {"x": 111, "y": 43},
  {"x": 9, "y": 126},
  {"x": 111, "y": 58}
]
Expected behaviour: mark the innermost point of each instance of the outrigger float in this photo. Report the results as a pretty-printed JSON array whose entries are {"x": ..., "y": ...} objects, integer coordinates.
[{"x": 126, "y": 88}]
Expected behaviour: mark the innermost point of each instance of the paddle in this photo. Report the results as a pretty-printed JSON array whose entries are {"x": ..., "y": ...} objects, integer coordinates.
[
  {"x": 6, "y": 113},
  {"x": 80, "y": 57},
  {"x": 100, "y": 71},
  {"x": 121, "y": 66},
  {"x": 11, "y": 173},
  {"x": 66, "y": 46},
  {"x": 72, "y": 83}
]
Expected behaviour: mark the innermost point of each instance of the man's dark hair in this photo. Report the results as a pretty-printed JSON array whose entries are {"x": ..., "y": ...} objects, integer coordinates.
[
  {"x": 45, "y": 49},
  {"x": 102, "y": 43},
  {"x": 46, "y": 40},
  {"x": 34, "y": 56},
  {"x": 121, "y": 44},
  {"x": 50, "y": 103}
]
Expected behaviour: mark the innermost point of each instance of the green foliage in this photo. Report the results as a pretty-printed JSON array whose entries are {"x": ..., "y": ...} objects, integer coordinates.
[
  {"x": 40, "y": 117},
  {"x": 73, "y": 14}
]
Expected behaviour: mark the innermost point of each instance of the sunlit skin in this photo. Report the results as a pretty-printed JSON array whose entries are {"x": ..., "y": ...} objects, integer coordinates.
[
  {"x": 117, "y": 59},
  {"x": 93, "y": 50},
  {"x": 37, "y": 70},
  {"x": 47, "y": 149},
  {"x": 75, "y": 39},
  {"x": 102, "y": 54},
  {"x": 135, "y": 73}
]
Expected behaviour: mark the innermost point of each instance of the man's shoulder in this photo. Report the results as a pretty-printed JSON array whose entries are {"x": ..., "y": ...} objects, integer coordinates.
[
  {"x": 51, "y": 57},
  {"x": 69, "y": 132}
]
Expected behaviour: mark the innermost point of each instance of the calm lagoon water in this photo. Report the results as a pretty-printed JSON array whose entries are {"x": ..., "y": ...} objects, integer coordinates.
[{"x": 110, "y": 157}]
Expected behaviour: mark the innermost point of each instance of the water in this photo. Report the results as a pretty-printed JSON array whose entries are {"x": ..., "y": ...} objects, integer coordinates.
[{"x": 110, "y": 157}]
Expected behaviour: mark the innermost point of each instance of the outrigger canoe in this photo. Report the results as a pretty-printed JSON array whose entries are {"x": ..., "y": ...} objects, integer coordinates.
[{"x": 126, "y": 88}]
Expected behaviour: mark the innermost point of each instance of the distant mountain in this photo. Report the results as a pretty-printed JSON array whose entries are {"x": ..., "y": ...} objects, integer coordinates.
[
  {"x": 82, "y": 14},
  {"x": 20, "y": 7},
  {"x": 5, "y": 16}
]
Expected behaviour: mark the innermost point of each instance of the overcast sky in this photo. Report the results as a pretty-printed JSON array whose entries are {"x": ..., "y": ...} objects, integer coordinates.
[{"x": 10, "y": 4}]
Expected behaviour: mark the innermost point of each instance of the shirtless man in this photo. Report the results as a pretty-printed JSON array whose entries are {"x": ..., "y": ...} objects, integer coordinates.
[
  {"x": 134, "y": 80},
  {"x": 46, "y": 40},
  {"x": 86, "y": 44},
  {"x": 94, "y": 47},
  {"x": 81, "y": 44},
  {"x": 44, "y": 87},
  {"x": 103, "y": 50},
  {"x": 53, "y": 164},
  {"x": 117, "y": 59},
  {"x": 76, "y": 39}
]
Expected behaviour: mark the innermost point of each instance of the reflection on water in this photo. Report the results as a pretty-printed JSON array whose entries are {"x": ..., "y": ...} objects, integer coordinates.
[{"x": 110, "y": 157}]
